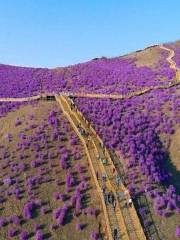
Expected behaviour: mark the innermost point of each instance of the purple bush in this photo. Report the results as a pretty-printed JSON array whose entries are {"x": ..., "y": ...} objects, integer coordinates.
[
  {"x": 15, "y": 219},
  {"x": 39, "y": 235},
  {"x": 7, "y": 181},
  {"x": 63, "y": 163},
  {"x": 2, "y": 222},
  {"x": 37, "y": 226},
  {"x": 18, "y": 122},
  {"x": 177, "y": 231},
  {"x": 94, "y": 235},
  {"x": 27, "y": 211},
  {"x": 11, "y": 232},
  {"x": 23, "y": 235},
  {"x": 78, "y": 226},
  {"x": 43, "y": 210},
  {"x": 29, "y": 207},
  {"x": 59, "y": 214},
  {"x": 69, "y": 180}
]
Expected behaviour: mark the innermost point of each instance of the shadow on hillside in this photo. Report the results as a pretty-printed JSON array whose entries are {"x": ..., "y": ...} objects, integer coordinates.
[
  {"x": 168, "y": 166},
  {"x": 141, "y": 202},
  {"x": 150, "y": 229},
  {"x": 174, "y": 174}
]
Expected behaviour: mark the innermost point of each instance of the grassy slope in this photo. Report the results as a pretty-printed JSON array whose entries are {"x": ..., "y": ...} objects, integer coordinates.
[{"x": 45, "y": 191}]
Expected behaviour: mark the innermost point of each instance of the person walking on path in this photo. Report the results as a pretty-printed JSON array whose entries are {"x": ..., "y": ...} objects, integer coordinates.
[
  {"x": 110, "y": 197},
  {"x": 104, "y": 161},
  {"x": 99, "y": 231},
  {"x": 79, "y": 126},
  {"x": 105, "y": 197},
  {"x": 115, "y": 233},
  {"x": 114, "y": 170},
  {"x": 118, "y": 180},
  {"x": 101, "y": 145},
  {"x": 104, "y": 177},
  {"x": 97, "y": 175},
  {"x": 114, "y": 204},
  {"x": 98, "y": 156},
  {"x": 130, "y": 202}
]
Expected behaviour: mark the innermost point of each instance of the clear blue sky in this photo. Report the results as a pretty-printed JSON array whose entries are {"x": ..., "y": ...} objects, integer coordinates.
[{"x": 52, "y": 33}]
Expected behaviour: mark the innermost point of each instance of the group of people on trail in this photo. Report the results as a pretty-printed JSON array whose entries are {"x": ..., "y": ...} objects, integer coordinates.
[
  {"x": 101, "y": 145},
  {"x": 104, "y": 177},
  {"x": 73, "y": 106},
  {"x": 109, "y": 198},
  {"x": 115, "y": 234},
  {"x": 82, "y": 131},
  {"x": 117, "y": 179},
  {"x": 103, "y": 160}
]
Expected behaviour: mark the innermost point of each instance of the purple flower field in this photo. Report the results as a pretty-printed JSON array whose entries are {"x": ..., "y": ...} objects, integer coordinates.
[
  {"x": 45, "y": 180},
  {"x": 118, "y": 75},
  {"x": 140, "y": 129},
  {"x": 45, "y": 184}
]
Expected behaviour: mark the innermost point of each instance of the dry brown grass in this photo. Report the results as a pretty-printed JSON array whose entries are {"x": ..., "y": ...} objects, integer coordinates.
[
  {"x": 45, "y": 191},
  {"x": 147, "y": 57},
  {"x": 174, "y": 149}
]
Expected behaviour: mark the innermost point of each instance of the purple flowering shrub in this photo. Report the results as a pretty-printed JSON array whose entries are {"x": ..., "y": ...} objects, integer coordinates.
[
  {"x": 177, "y": 234},
  {"x": 94, "y": 236},
  {"x": 79, "y": 226},
  {"x": 23, "y": 235},
  {"x": 11, "y": 232},
  {"x": 39, "y": 235}
]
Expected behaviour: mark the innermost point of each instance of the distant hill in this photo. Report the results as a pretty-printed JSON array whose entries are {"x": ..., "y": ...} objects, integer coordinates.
[{"x": 102, "y": 75}]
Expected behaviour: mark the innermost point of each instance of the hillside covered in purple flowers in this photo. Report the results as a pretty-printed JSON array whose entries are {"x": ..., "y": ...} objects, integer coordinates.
[
  {"x": 104, "y": 75},
  {"x": 142, "y": 134}
]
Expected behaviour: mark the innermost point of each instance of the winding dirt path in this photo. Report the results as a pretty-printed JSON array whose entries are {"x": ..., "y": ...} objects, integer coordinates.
[
  {"x": 171, "y": 62},
  {"x": 169, "y": 58},
  {"x": 94, "y": 95}
]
